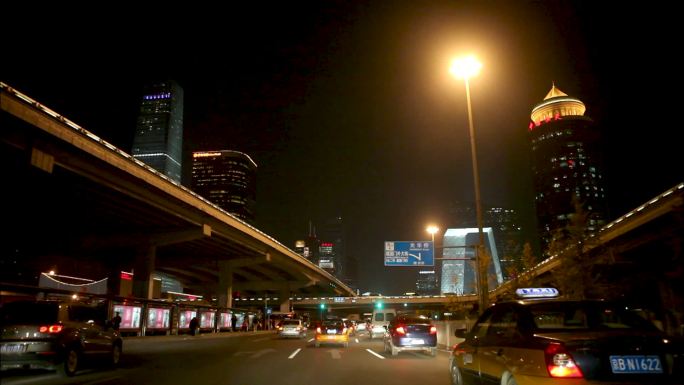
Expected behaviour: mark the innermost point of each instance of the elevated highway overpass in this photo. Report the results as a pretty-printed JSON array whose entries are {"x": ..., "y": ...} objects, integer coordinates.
[{"x": 77, "y": 204}]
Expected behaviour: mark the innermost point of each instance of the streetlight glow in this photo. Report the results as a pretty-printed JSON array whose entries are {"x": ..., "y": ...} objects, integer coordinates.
[
  {"x": 465, "y": 68},
  {"x": 432, "y": 230}
]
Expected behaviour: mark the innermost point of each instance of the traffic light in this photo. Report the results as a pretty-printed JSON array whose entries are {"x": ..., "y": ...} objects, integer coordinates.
[
  {"x": 378, "y": 305},
  {"x": 322, "y": 306}
]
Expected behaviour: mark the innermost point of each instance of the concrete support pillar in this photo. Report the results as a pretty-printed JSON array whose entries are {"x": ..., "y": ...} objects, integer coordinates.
[
  {"x": 142, "y": 272},
  {"x": 284, "y": 299},
  {"x": 225, "y": 287}
]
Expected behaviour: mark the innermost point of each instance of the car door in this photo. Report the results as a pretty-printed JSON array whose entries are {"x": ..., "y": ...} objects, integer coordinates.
[
  {"x": 91, "y": 325},
  {"x": 467, "y": 353},
  {"x": 497, "y": 349}
]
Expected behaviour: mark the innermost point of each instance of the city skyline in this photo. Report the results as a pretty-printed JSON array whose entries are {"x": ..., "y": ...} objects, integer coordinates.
[{"x": 351, "y": 111}]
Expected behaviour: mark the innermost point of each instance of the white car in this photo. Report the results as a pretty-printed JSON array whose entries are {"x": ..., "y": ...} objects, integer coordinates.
[{"x": 292, "y": 328}]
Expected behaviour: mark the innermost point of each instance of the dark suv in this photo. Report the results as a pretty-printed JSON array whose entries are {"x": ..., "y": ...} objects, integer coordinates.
[
  {"x": 411, "y": 332},
  {"x": 56, "y": 335}
]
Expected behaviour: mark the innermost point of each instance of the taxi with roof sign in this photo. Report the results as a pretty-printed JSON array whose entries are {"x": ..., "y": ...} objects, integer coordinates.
[{"x": 542, "y": 339}]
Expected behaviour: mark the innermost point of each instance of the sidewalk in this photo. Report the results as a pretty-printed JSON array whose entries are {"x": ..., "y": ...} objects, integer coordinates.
[{"x": 202, "y": 335}]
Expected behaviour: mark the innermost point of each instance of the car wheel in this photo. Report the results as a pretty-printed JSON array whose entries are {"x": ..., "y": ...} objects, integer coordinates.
[
  {"x": 395, "y": 351},
  {"x": 370, "y": 335},
  {"x": 456, "y": 378},
  {"x": 71, "y": 361},
  {"x": 511, "y": 381},
  {"x": 346, "y": 344},
  {"x": 387, "y": 349},
  {"x": 317, "y": 344},
  {"x": 116, "y": 355},
  {"x": 433, "y": 352}
]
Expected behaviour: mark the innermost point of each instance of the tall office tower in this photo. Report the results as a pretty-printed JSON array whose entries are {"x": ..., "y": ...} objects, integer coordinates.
[
  {"x": 158, "y": 137},
  {"x": 427, "y": 283},
  {"x": 508, "y": 236},
  {"x": 459, "y": 267},
  {"x": 333, "y": 232},
  {"x": 566, "y": 164},
  {"x": 228, "y": 179}
]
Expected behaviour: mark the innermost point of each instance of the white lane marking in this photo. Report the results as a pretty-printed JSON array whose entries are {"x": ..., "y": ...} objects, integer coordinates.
[
  {"x": 357, "y": 340},
  {"x": 375, "y": 354},
  {"x": 261, "y": 339},
  {"x": 310, "y": 340},
  {"x": 294, "y": 354}
]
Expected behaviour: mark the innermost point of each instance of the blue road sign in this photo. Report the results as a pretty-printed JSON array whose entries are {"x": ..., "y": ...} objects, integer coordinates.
[{"x": 409, "y": 253}]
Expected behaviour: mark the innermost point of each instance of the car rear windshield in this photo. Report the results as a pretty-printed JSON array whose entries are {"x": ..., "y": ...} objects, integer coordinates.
[
  {"x": 291, "y": 322},
  {"x": 18, "y": 313},
  {"x": 585, "y": 315}
]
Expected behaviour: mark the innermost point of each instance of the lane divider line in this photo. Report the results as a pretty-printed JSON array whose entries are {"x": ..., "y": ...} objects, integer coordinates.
[
  {"x": 294, "y": 354},
  {"x": 311, "y": 340},
  {"x": 357, "y": 340},
  {"x": 375, "y": 354}
]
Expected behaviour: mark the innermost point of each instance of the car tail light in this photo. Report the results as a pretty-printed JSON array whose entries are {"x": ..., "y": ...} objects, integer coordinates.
[
  {"x": 318, "y": 330},
  {"x": 344, "y": 330},
  {"x": 299, "y": 328},
  {"x": 400, "y": 330},
  {"x": 560, "y": 363},
  {"x": 433, "y": 329},
  {"x": 51, "y": 329}
]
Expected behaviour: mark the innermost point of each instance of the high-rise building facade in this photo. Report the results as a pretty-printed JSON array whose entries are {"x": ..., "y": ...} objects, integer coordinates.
[
  {"x": 228, "y": 179},
  {"x": 158, "y": 137},
  {"x": 459, "y": 265},
  {"x": 427, "y": 283},
  {"x": 567, "y": 165},
  {"x": 508, "y": 236}
]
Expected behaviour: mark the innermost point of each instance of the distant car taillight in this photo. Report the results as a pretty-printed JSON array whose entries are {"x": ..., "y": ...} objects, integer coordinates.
[
  {"x": 560, "y": 363},
  {"x": 433, "y": 329},
  {"x": 400, "y": 330},
  {"x": 318, "y": 330},
  {"x": 51, "y": 329}
]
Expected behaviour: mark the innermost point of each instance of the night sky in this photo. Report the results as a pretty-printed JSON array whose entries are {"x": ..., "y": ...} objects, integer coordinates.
[{"x": 348, "y": 107}]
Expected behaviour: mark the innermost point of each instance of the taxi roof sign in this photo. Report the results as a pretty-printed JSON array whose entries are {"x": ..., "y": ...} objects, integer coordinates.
[{"x": 536, "y": 292}]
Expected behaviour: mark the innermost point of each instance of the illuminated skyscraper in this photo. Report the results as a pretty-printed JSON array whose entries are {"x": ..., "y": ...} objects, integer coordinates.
[
  {"x": 158, "y": 137},
  {"x": 427, "y": 283},
  {"x": 228, "y": 179},
  {"x": 566, "y": 164},
  {"x": 458, "y": 266}
]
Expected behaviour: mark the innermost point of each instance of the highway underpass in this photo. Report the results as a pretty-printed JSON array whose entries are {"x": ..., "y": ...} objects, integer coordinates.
[{"x": 76, "y": 204}]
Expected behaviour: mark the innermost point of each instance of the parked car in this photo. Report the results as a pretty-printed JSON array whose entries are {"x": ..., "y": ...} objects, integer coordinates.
[
  {"x": 56, "y": 335},
  {"x": 555, "y": 341},
  {"x": 292, "y": 328},
  {"x": 332, "y": 332},
  {"x": 411, "y": 333}
]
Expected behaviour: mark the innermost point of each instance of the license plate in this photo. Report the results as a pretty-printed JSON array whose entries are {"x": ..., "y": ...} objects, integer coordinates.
[
  {"x": 332, "y": 331},
  {"x": 13, "y": 348},
  {"x": 636, "y": 364},
  {"x": 413, "y": 341}
]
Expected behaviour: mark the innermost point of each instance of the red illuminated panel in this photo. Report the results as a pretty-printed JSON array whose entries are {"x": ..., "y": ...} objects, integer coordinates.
[{"x": 126, "y": 276}]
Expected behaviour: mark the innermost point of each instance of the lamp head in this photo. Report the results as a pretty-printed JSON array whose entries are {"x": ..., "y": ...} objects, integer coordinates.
[{"x": 466, "y": 67}]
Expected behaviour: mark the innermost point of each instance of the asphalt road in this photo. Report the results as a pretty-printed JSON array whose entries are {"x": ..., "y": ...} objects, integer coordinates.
[{"x": 252, "y": 359}]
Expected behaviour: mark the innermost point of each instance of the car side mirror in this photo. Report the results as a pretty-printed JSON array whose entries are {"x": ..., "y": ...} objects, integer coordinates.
[{"x": 461, "y": 333}]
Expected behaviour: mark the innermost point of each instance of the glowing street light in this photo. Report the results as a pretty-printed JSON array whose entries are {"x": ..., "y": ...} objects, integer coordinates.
[
  {"x": 465, "y": 68},
  {"x": 432, "y": 230}
]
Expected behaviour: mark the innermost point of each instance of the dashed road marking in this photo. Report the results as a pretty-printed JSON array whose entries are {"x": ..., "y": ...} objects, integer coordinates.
[
  {"x": 375, "y": 354},
  {"x": 294, "y": 354}
]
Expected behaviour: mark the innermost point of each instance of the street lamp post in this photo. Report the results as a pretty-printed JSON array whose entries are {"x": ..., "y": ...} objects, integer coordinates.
[{"x": 466, "y": 68}]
